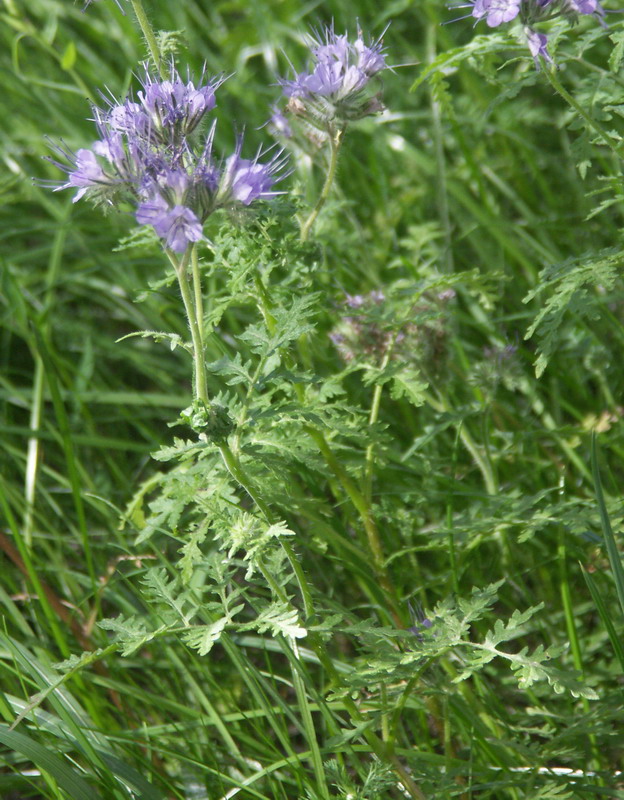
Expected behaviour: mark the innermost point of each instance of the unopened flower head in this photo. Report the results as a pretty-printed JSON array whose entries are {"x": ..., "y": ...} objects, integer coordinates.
[
  {"x": 371, "y": 327},
  {"x": 164, "y": 111},
  {"x": 333, "y": 89},
  {"x": 530, "y": 13},
  {"x": 176, "y": 106},
  {"x": 150, "y": 152}
]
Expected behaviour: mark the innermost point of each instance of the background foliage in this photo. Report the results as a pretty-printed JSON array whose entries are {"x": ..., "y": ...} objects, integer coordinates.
[{"x": 156, "y": 641}]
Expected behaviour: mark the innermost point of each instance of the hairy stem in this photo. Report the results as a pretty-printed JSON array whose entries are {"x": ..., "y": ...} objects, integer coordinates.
[
  {"x": 197, "y": 296},
  {"x": 366, "y": 516},
  {"x": 551, "y": 74},
  {"x": 150, "y": 36},
  {"x": 335, "y": 141},
  {"x": 200, "y": 391},
  {"x": 237, "y": 472}
]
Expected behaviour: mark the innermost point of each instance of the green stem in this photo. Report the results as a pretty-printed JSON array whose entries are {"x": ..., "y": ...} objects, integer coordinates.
[
  {"x": 335, "y": 141},
  {"x": 200, "y": 391},
  {"x": 491, "y": 484},
  {"x": 370, "y": 450},
  {"x": 551, "y": 74},
  {"x": 237, "y": 472},
  {"x": 358, "y": 499},
  {"x": 364, "y": 510},
  {"x": 244, "y": 411},
  {"x": 438, "y": 138},
  {"x": 150, "y": 37},
  {"x": 194, "y": 312},
  {"x": 197, "y": 295},
  {"x": 372, "y": 419},
  {"x": 265, "y": 304}
]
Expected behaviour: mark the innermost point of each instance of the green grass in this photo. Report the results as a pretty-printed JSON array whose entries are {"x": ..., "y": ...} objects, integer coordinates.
[{"x": 491, "y": 475}]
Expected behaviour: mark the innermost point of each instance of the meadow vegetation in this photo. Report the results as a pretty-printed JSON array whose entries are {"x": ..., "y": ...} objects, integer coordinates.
[{"x": 357, "y": 531}]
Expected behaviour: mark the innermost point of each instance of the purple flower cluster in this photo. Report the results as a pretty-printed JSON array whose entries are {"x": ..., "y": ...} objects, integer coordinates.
[
  {"x": 333, "y": 89},
  {"x": 146, "y": 153},
  {"x": 531, "y": 12},
  {"x": 370, "y": 329},
  {"x": 359, "y": 333}
]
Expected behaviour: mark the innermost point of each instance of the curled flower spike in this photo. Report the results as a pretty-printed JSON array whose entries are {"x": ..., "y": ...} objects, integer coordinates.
[{"x": 333, "y": 87}]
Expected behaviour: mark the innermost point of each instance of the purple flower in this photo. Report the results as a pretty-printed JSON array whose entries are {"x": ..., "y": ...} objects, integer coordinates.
[
  {"x": 244, "y": 180},
  {"x": 178, "y": 226},
  {"x": 496, "y": 11},
  {"x": 370, "y": 60},
  {"x": 83, "y": 171},
  {"x": 174, "y": 181},
  {"x": 278, "y": 124},
  {"x": 150, "y": 211},
  {"x": 111, "y": 148},
  {"x": 355, "y": 300},
  {"x": 538, "y": 46},
  {"x": 87, "y": 174},
  {"x": 127, "y": 118},
  {"x": 341, "y": 68},
  {"x": 164, "y": 111},
  {"x": 585, "y": 7},
  {"x": 166, "y": 207},
  {"x": 249, "y": 180}
]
